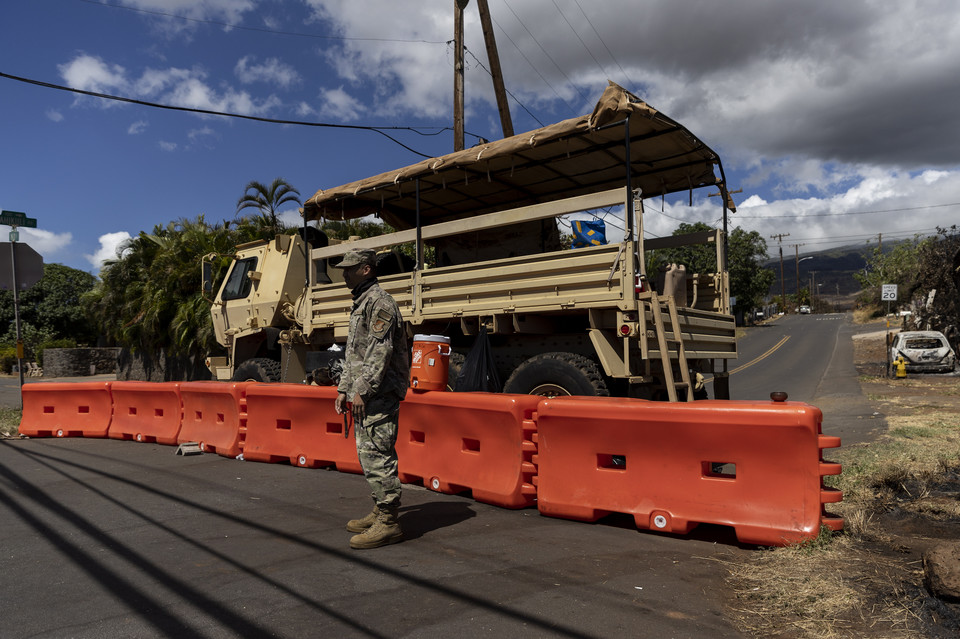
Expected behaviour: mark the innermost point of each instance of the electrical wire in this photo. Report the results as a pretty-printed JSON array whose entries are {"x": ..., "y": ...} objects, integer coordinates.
[
  {"x": 515, "y": 99},
  {"x": 257, "y": 29},
  {"x": 802, "y": 215},
  {"x": 610, "y": 53},
  {"x": 105, "y": 96},
  {"x": 549, "y": 57}
]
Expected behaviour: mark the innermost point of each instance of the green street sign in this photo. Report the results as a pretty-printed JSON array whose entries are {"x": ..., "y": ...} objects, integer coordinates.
[{"x": 15, "y": 218}]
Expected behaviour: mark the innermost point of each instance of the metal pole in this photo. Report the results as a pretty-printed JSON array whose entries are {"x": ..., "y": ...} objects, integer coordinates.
[{"x": 16, "y": 313}]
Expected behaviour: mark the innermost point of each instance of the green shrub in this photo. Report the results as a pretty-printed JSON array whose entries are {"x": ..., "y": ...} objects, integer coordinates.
[{"x": 8, "y": 357}]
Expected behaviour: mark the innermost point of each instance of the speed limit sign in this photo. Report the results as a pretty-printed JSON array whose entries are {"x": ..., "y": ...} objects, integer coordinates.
[{"x": 888, "y": 292}]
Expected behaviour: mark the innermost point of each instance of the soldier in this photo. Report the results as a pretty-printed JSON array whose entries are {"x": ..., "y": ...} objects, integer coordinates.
[{"x": 375, "y": 376}]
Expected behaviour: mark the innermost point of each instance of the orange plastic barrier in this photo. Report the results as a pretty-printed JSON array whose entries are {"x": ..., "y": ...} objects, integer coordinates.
[
  {"x": 755, "y": 466},
  {"x": 484, "y": 442},
  {"x": 56, "y": 409},
  {"x": 146, "y": 411},
  {"x": 297, "y": 423},
  {"x": 215, "y": 416}
]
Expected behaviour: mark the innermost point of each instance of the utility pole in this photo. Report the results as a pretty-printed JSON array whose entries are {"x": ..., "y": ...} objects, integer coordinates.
[
  {"x": 796, "y": 248},
  {"x": 783, "y": 294},
  {"x": 506, "y": 123},
  {"x": 458, "y": 7}
]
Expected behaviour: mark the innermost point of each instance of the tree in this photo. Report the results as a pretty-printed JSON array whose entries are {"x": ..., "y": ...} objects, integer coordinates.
[
  {"x": 149, "y": 298},
  {"x": 268, "y": 199},
  {"x": 938, "y": 284},
  {"x": 897, "y": 265},
  {"x": 749, "y": 281},
  {"x": 50, "y": 309}
]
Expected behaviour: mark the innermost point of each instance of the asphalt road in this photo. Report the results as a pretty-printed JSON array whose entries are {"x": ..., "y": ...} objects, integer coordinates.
[
  {"x": 113, "y": 538},
  {"x": 810, "y": 357}
]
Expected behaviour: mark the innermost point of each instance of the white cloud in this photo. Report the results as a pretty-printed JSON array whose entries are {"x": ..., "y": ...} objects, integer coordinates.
[
  {"x": 54, "y": 116},
  {"x": 110, "y": 244},
  {"x": 46, "y": 243},
  {"x": 167, "y": 146},
  {"x": 271, "y": 71},
  {"x": 174, "y": 86},
  {"x": 227, "y": 11},
  {"x": 338, "y": 104},
  {"x": 137, "y": 127}
]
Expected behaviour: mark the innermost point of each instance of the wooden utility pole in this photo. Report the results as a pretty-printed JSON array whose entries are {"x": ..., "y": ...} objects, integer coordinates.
[
  {"x": 506, "y": 123},
  {"x": 783, "y": 293},
  {"x": 458, "y": 7}
]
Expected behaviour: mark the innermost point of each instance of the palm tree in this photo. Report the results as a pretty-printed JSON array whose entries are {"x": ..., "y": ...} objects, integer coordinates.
[{"x": 267, "y": 199}]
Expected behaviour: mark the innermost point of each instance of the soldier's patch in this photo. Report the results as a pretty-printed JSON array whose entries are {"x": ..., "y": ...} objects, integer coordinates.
[{"x": 381, "y": 323}]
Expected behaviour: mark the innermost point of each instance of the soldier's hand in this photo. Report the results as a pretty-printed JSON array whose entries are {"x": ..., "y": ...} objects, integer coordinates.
[
  {"x": 340, "y": 404},
  {"x": 359, "y": 410}
]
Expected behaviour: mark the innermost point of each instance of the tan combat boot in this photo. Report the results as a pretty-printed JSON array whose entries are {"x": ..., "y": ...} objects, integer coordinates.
[
  {"x": 359, "y": 525},
  {"x": 385, "y": 530}
]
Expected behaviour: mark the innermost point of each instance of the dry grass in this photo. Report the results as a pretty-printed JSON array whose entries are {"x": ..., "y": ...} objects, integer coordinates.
[
  {"x": 9, "y": 421},
  {"x": 867, "y": 581}
]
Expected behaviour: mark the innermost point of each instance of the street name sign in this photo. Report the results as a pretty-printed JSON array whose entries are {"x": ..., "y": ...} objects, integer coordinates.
[{"x": 16, "y": 218}]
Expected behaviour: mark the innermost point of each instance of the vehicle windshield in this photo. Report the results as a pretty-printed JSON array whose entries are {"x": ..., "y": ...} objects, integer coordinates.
[
  {"x": 923, "y": 343},
  {"x": 238, "y": 284}
]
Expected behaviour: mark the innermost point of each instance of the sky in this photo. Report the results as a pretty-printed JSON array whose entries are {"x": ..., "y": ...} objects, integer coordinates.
[{"x": 837, "y": 120}]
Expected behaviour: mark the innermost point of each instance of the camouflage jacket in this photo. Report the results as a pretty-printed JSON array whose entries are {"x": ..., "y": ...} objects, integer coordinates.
[{"x": 377, "y": 356}]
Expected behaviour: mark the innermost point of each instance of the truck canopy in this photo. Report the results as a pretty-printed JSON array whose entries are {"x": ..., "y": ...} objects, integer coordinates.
[{"x": 578, "y": 156}]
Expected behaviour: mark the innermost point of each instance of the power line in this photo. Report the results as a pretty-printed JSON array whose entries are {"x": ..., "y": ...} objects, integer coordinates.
[
  {"x": 257, "y": 29},
  {"x": 522, "y": 106},
  {"x": 610, "y": 53},
  {"x": 549, "y": 57},
  {"x": 378, "y": 129},
  {"x": 803, "y": 215},
  {"x": 584, "y": 44}
]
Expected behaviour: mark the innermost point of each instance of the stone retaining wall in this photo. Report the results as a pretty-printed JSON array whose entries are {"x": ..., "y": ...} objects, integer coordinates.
[{"x": 78, "y": 362}]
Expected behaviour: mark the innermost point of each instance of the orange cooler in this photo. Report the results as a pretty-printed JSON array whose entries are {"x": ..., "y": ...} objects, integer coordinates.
[{"x": 430, "y": 364}]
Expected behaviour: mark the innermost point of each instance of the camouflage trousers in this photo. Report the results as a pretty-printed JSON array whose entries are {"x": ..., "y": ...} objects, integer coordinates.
[{"x": 376, "y": 448}]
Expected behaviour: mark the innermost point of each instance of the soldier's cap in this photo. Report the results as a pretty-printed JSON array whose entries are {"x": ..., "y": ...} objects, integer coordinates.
[{"x": 353, "y": 257}]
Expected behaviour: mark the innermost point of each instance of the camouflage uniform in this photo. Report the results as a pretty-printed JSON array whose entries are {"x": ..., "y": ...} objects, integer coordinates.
[{"x": 377, "y": 367}]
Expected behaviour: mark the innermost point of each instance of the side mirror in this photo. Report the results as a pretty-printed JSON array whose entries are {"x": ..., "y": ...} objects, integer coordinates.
[{"x": 207, "y": 283}]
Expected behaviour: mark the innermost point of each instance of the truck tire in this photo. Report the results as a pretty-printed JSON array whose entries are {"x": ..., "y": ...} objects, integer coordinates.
[
  {"x": 257, "y": 369},
  {"x": 554, "y": 374}
]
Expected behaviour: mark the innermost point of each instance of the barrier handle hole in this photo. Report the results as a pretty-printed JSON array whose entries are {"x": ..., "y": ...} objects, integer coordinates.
[
  {"x": 221, "y": 418},
  {"x": 158, "y": 412},
  {"x": 612, "y": 461},
  {"x": 284, "y": 424},
  {"x": 81, "y": 409},
  {"x": 335, "y": 428},
  {"x": 199, "y": 416},
  {"x": 417, "y": 436},
  {"x": 471, "y": 445},
  {"x": 719, "y": 469},
  {"x": 48, "y": 410},
  {"x": 132, "y": 410}
]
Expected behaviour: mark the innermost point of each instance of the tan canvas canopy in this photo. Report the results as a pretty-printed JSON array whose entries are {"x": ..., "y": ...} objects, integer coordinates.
[{"x": 573, "y": 157}]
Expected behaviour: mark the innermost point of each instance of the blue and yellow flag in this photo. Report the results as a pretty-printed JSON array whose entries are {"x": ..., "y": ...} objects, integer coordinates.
[{"x": 589, "y": 233}]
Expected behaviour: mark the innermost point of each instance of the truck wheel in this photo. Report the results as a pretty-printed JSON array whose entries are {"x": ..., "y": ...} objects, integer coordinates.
[
  {"x": 257, "y": 369},
  {"x": 553, "y": 374}
]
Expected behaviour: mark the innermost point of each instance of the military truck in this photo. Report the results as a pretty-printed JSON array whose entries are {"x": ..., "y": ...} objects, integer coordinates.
[{"x": 578, "y": 321}]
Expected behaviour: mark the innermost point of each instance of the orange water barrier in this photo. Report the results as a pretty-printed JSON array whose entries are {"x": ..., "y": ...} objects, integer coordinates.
[
  {"x": 146, "y": 411},
  {"x": 298, "y": 424},
  {"x": 754, "y": 466},
  {"x": 482, "y": 442},
  {"x": 57, "y": 409},
  {"x": 214, "y": 416}
]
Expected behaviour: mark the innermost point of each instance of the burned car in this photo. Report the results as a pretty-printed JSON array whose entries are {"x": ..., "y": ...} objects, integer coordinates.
[{"x": 923, "y": 352}]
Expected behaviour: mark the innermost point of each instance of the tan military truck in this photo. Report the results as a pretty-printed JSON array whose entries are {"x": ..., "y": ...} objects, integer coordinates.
[{"x": 582, "y": 321}]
